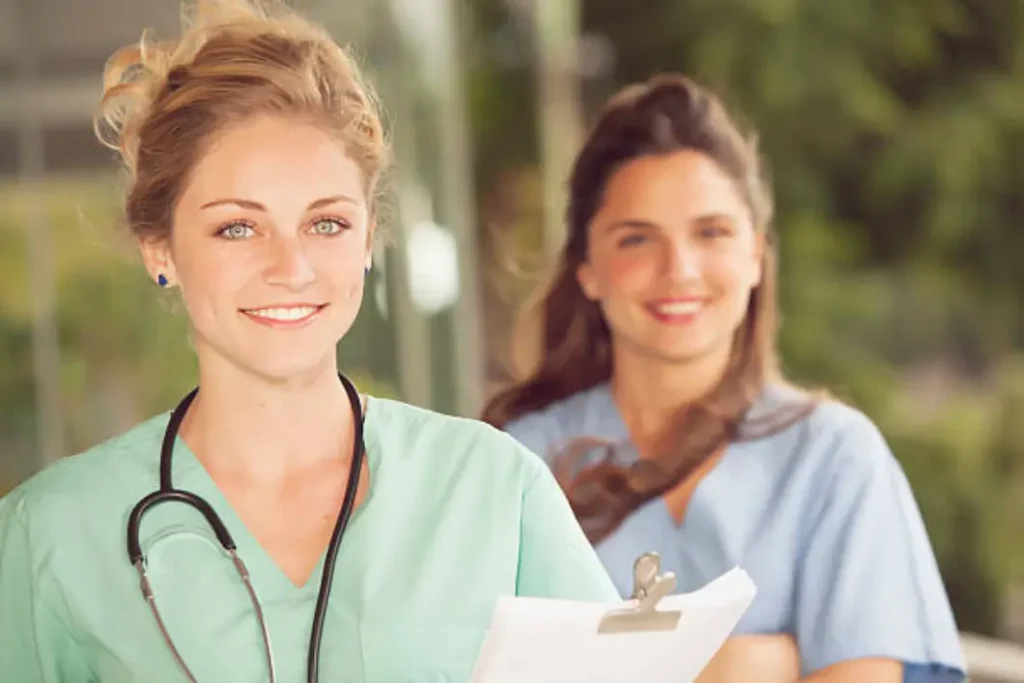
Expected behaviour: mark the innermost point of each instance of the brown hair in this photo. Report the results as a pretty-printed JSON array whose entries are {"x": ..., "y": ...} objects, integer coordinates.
[
  {"x": 664, "y": 115},
  {"x": 164, "y": 101}
]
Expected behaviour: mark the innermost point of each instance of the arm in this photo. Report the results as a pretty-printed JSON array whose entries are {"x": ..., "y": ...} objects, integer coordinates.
[
  {"x": 859, "y": 670},
  {"x": 555, "y": 558},
  {"x": 35, "y": 645},
  {"x": 870, "y": 601}
]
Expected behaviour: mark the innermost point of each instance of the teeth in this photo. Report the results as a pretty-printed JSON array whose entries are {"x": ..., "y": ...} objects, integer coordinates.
[
  {"x": 680, "y": 307},
  {"x": 291, "y": 313}
]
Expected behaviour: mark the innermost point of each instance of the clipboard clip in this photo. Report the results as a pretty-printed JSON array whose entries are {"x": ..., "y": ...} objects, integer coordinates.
[{"x": 649, "y": 587}]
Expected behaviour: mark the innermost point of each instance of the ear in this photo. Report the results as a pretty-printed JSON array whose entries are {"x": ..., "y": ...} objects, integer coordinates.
[
  {"x": 588, "y": 282},
  {"x": 156, "y": 257}
]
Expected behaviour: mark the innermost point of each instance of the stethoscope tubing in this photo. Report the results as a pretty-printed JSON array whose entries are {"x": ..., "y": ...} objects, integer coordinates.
[{"x": 167, "y": 494}]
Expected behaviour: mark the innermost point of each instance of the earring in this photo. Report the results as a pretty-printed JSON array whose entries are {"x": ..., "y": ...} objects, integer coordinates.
[
  {"x": 366, "y": 270},
  {"x": 161, "y": 280}
]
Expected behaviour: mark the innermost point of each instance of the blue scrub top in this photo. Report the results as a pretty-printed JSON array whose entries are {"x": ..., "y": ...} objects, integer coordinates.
[{"x": 819, "y": 514}]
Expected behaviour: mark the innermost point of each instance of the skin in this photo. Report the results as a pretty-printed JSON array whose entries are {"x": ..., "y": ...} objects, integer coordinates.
[
  {"x": 673, "y": 229},
  {"x": 669, "y": 228},
  {"x": 274, "y": 215}
]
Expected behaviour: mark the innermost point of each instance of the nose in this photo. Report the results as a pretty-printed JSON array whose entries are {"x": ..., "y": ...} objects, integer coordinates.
[
  {"x": 288, "y": 264},
  {"x": 682, "y": 261}
]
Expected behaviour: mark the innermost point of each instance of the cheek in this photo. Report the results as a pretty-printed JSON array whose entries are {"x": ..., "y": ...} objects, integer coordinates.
[
  {"x": 355, "y": 290},
  {"x": 211, "y": 279},
  {"x": 732, "y": 274},
  {"x": 342, "y": 272},
  {"x": 209, "y": 298},
  {"x": 626, "y": 273},
  {"x": 206, "y": 265}
]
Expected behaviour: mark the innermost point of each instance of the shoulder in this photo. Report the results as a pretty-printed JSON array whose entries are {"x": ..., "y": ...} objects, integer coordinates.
[
  {"x": 585, "y": 413},
  {"x": 66, "y": 486},
  {"x": 835, "y": 460},
  {"x": 841, "y": 440},
  {"x": 824, "y": 445},
  {"x": 423, "y": 438}
]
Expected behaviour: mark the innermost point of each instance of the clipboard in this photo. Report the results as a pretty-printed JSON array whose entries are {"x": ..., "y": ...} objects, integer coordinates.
[{"x": 656, "y": 636}]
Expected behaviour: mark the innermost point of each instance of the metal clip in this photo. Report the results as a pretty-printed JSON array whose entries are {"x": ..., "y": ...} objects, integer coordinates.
[{"x": 649, "y": 587}]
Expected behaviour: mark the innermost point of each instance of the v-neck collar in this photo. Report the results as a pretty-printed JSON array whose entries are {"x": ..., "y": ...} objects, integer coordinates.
[
  {"x": 268, "y": 578},
  {"x": 604, "y": 407}
]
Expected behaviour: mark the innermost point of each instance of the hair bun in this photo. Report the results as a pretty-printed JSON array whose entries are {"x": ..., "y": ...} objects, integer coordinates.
[
  {"x": 137, "y": 74},
  {"x": 162, "y": 100},
  {"x": 132, "y": 79}
]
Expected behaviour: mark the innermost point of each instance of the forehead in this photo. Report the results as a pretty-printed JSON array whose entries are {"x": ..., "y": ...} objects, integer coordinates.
[
  {"x": 268, "y": 158},
  {"x": 684, "y": 184}
]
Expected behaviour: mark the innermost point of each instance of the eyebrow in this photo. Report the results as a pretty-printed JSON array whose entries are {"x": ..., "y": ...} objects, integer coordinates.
[
  {"x": 256, "y": 206},
  {"x": 640, "y": 223},
  {"x": 630, "y": 223}
]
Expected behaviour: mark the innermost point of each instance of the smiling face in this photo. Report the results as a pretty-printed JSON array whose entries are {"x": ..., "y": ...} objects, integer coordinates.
[
  {"x": 672, "y": 257},
  {"x": 270, "y": 240}
]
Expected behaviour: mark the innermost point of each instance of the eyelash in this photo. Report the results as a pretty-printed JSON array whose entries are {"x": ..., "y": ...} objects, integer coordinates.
[
  {"x": 223, "y": 229},
  {"x": 343, "y": 224},
  {"x": 711, "y": 232},
  {"x": 340, "y": 222},
  {"x": 716, "y": 230}
]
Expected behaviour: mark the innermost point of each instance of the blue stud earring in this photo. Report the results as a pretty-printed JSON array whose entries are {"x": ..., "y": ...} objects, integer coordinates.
[
  {"x": 161, "y": 280},
  {"x": 366, "y": 270}
]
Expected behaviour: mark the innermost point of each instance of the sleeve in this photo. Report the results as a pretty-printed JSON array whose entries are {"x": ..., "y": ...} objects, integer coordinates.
[
  {"x": 555, "y": 558},
  {"x": 868, "y": 584},
  {"x": 35, "y": 644},
  {"x": 537, "y": 432}
]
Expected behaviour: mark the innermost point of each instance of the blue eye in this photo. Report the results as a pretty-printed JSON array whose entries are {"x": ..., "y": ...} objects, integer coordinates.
[
  {"x": 236, "y": 231},
  {"x": 328, "y": 226}
]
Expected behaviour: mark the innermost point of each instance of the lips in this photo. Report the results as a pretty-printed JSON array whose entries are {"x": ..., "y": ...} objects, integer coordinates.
[
  {"x": 292, "y": 315},
  {"x": 677, "y": 311}
]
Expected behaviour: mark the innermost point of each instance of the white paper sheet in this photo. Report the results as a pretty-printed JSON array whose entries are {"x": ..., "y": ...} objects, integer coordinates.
[{"x": 555, "y": 641}]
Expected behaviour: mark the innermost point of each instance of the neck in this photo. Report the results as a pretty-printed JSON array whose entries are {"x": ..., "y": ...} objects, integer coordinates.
[
  {"x": 247, "y": 427},
  {"x": 650, "y": 392}
]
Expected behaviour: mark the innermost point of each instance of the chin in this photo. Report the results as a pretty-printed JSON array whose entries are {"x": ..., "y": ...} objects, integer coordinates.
[
  {"x": 690, "y": 351},
  {"x": 277, "y": 359}
]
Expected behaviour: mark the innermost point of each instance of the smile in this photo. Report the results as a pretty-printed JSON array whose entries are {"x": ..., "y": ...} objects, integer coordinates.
[
  {"x": 677, "y": 311},
  {"x": 284, "y": 316}
]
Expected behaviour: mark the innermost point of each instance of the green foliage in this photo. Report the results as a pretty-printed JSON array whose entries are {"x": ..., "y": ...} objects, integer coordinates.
[
  {"x": 124, "y": 344},
  {"x": 895, "y": 137}
]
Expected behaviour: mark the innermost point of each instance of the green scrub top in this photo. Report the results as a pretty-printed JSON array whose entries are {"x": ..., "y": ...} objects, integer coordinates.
[{"x": 457, "y": 513}]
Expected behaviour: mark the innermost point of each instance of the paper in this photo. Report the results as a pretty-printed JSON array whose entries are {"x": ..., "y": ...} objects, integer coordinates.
[{"x": 556, "y": 641}]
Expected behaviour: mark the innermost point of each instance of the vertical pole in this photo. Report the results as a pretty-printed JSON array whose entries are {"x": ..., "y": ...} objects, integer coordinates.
[
  {"x": 410, "y": 325},
  {"x": 458, "y": 208},
  {"x": 557, "y": 25},
  {"x": 31, "y": 170}
]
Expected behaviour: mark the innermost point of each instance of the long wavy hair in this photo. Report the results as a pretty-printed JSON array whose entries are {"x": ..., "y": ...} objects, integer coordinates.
[{"x": 565, "y": 343}]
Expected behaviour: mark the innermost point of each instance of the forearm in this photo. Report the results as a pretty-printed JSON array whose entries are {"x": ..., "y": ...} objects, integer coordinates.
[{"x": 859, "y": 670}]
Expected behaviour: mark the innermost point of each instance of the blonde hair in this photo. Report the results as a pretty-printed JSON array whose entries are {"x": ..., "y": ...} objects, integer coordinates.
[{"x": 164, "y": 101}]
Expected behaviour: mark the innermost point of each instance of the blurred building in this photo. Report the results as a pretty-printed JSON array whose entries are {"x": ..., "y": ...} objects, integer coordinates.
[{"x": 417, "y": 335}]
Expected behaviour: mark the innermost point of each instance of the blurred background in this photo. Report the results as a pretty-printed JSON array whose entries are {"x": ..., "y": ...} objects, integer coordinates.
[{"x": 894, "y": 130}]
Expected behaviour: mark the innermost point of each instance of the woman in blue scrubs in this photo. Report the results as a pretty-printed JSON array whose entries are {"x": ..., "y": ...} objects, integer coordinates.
[
  {"x": 656, "y": 396},
  {"x": 253, "y": 151}
]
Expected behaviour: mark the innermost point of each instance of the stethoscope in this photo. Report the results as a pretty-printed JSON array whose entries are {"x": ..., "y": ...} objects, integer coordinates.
[{"x": 167, "y": 493}]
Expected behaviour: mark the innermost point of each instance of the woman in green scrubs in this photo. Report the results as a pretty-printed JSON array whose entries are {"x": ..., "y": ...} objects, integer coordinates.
[{"x": 253, "y": 152}]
